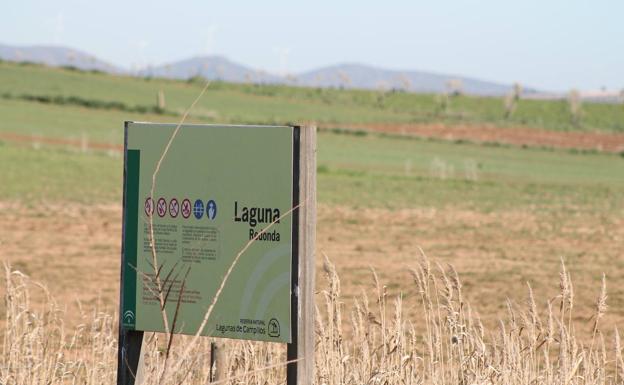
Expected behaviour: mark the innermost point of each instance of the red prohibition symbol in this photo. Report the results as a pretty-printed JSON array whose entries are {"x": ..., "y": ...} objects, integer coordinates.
[
  {"x": 161, "y": 207},
  {"x": 174, "y": 207},
  {"x": 186, "y": 208},
  {"x": 149, "y": 207}
]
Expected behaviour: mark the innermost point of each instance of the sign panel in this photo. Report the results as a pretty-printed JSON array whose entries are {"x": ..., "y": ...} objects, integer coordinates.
[{"x": 217, "y": 188}]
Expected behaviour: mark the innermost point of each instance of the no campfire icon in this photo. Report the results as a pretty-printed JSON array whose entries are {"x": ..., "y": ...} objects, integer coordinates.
[
  {"x": 174, "y": 208},
  {"x": 149, "y": 207},
  {"x": 161, "y": 207},
  {"x": 186, "y": 208}
]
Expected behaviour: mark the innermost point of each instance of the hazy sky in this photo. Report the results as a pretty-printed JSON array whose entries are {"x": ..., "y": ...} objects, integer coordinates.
[{"x": 549, "y": 44}]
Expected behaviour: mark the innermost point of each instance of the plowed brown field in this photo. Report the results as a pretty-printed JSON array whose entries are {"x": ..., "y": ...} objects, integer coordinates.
[{"x": 519, "y": 136}]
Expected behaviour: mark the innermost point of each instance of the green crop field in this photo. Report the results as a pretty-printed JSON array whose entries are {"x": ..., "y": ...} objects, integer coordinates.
[
  {"x": 278, "y": 104},
  {"x": 353, "y": 170},
  {"x": 364, "y": 169}
]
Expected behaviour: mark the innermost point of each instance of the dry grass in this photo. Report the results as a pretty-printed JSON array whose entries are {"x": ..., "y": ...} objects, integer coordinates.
[
  {"x": 370, "y": 342},
  {"x": 74, "y": 249}
]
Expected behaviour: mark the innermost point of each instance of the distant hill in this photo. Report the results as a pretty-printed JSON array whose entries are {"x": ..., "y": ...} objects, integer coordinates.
[
  {"x": 220, "y": 68},
  {"x": 213, "y": 68},
  {"x": 368, "y": 77},
  {"x": 339, "y": 76},
  {"x": 56, "y": 57}
]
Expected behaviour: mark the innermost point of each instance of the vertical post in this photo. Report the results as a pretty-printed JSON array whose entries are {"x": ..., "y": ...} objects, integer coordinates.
[
  {"x": 160, "y": 102},
  {"x": 129, "y": 357},
  {"x": 218, "y": 368},
  {"x": 301, "y": 349}
]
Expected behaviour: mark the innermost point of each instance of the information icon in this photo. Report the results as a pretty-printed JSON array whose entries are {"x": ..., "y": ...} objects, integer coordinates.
[{"x": 211, "y": 209}]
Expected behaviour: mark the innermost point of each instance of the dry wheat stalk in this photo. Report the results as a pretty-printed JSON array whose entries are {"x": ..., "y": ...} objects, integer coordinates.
[{"x": 445, "y": 344}]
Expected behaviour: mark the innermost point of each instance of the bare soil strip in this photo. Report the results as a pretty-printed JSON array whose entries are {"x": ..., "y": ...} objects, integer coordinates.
[{"x": 519, "y": 136}]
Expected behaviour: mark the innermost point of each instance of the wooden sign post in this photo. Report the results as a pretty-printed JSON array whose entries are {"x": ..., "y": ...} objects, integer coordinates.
[
  {"x": 219, "y": 190},
  {"x": 301, "y": 349}
]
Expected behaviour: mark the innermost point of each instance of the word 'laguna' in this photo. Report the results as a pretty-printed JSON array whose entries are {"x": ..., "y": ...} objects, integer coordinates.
[{"x": 255, "y": 215}]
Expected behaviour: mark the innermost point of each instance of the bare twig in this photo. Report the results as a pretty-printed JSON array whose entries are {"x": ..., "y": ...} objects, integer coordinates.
[{"x": 152, "y": 240}]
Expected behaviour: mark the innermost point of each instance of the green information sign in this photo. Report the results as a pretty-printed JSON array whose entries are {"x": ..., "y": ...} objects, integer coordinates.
[{"x": 217, "y": 188}]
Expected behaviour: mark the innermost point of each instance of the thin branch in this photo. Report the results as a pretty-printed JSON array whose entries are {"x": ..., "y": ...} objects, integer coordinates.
[{"x": 159, "y": 287}]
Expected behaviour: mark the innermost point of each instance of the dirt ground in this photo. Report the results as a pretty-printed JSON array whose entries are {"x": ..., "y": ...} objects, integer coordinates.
[
  {"x": 75, "y": 251},
  {"x": 519, "y": 136}
]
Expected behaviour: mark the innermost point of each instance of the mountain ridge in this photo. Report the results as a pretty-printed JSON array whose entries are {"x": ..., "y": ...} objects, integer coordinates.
[
  {"x": 216, "y": 67},
  {"x": 56, "y": 56}
]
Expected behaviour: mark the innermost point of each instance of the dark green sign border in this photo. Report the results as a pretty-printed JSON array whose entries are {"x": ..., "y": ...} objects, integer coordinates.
[{"x": 131, "y": 221}]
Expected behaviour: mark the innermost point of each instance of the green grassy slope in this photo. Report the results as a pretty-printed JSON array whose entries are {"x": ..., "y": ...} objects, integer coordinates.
[
  {"x": 364, "y": 172},
  {"x": 396, "y": 172},
  {"x": 356, "y": 170},
  {"x": 278, "y": 104}
]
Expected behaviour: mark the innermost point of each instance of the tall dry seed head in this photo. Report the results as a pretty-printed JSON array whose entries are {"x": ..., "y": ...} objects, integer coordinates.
[
  {"x": 535, "y": 322},
  {"x": 457, "y": 285},
  {"x": 442, "y": 343},
  {"x": 564, "y": 286},
  {"x": 550, "y": 323},
  {"x": 601, "y": 303},
  {"x": 333, "y": 302},
  {"x": 448, "y": 286},
  {"x": 619, "y": 362}
]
